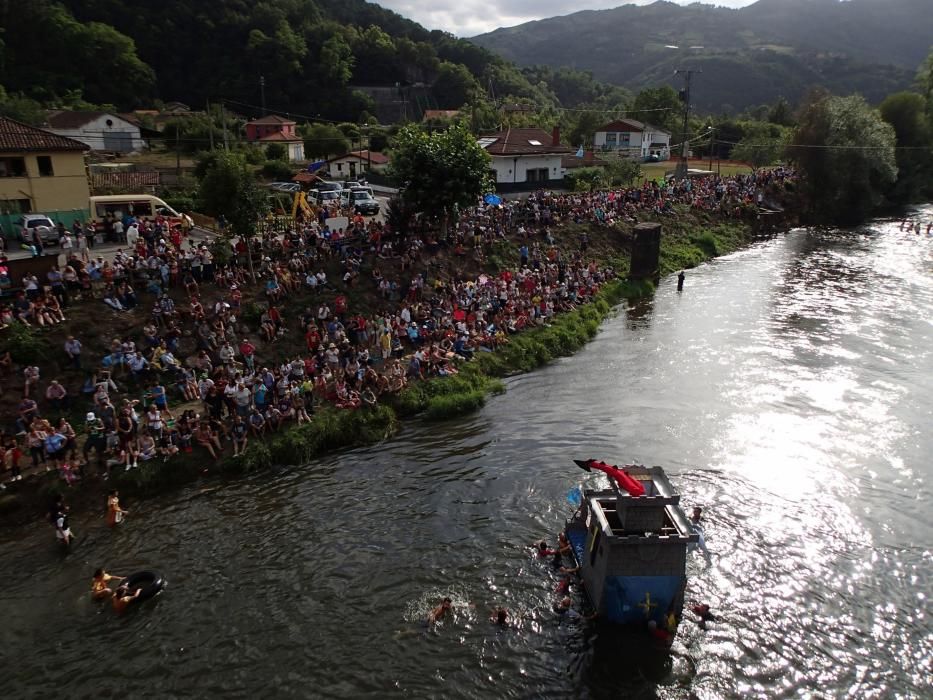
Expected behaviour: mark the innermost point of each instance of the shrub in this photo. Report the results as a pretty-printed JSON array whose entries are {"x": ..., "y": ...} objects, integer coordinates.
[
  {"x": 24, "y": 343},
  {"x": 276, "y": 170}
]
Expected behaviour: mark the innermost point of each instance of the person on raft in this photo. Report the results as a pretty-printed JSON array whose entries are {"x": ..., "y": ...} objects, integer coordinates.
[
  {"x": 439, "y": 611},
  {"x": 100, "y": 588},
  {"x": 122, "y": 598}
]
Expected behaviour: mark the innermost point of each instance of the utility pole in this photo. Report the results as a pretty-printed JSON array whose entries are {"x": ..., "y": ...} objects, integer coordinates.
[
  {"x": 223, "y": 119},
  {"x": 712, "y": 145},
  {"x": 177, "y": 153},
  {"x": 682, "y": 166},
  {"x": 262, "y": 93},
  {"x": 210, "y": 124}
]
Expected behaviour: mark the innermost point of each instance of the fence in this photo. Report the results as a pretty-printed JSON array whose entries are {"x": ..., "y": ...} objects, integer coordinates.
[{"x": 9, "y": 223}]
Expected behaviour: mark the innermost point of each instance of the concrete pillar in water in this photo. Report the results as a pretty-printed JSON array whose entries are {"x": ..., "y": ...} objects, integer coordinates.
[{"x": 646, "y": 252}]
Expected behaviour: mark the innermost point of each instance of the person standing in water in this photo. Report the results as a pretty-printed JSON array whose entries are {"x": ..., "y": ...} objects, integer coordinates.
[
  {"x": 680, "y": 281},
  {"x": 122, "y": 597},
  {"x": 114, "y": 512}
]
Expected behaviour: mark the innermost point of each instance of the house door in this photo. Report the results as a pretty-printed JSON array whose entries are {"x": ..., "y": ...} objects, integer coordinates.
[
  {"x": 120, "y": 141},
  {"x": 352, "y": 169}
]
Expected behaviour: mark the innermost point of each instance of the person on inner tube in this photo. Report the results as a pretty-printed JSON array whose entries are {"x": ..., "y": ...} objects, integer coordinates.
[
  {"x": 122, "y": 597},
  {"x": 100, "y": 590}
]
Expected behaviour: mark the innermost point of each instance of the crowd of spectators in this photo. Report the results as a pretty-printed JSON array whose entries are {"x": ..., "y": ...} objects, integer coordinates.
[{"x": 240, "y": 360}]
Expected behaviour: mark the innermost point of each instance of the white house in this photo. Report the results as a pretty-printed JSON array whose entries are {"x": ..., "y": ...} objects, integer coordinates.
[
  {"x": 637, "y": 139},
  {"x": 101, "y": 131},
  {"x": 355, "y": 163},
  {"x": 525, "y": 156}
]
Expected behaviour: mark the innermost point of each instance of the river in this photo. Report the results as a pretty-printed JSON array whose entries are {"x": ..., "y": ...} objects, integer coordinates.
[{"x": 788, "y": 390}]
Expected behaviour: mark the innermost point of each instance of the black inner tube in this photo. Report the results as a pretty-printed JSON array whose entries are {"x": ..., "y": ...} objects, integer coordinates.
[{"x": 149, "y": 583}]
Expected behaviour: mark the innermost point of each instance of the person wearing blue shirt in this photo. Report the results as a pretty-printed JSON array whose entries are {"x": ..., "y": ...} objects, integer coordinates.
[{"x": 55, "y": 444}]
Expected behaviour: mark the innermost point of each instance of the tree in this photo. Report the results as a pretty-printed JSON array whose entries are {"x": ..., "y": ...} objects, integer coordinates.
[
  {"x": 623, "y": 171},
  {"x": 906, "y": 113},
  {"x": 276, "y": 151},
  {"x": 337, "y": 60},
  {"x": 440, "y": 172},
  {"x": 661, "y": 106},
  {"x": 763, "y": 144},
  {"x": 323, "y": 140},
  {"x": 454, "y": 86},
  {"x": 229, "y": 188},
  {"x": 845, "y": 151}
]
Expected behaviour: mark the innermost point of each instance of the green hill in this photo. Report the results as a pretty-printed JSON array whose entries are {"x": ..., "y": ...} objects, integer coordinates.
[
  {"x": 753, "y": 55},
  {"x": 329, "y": 58}
]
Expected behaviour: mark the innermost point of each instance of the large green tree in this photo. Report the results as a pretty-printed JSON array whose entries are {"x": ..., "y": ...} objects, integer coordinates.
[
  {"x": 845, "y": 151},
  {"x": 763, "y": 144},
  {"x": 440, "y": 172},
  {"x": 906, "y": 113},
  {"x": 323, "y": 140},
  {"x": 228, "y": 188},
  {"x": 660, "y": 106}
]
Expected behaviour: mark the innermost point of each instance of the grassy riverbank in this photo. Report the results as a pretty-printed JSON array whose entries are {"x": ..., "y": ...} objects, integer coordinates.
[{"x": 688, "y": 240}]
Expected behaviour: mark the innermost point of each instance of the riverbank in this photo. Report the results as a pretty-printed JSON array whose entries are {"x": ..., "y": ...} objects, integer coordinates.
[{"x": 689, "y": 238}]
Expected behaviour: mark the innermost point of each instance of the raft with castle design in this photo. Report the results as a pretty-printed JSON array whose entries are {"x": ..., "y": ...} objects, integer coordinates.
[{"x": 630, "y": 542}]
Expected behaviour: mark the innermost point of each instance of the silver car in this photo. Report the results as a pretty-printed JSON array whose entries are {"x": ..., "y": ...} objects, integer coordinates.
[{"x": 48, "y": 234}]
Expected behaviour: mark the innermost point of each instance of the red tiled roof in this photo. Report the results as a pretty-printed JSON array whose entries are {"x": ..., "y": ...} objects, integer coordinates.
[
  {"x": 440, "y": 113},
  {"x": 279, "y": 136},
  {"x": 375, "y": 157},
  {"x": 588, "y": 160},
  {"x": 629, "y": 126},
  {"x": 16, "y": 136},
  {"x": 272, "y": 120},
  {"x": 68, "y": 119},
  {"x": 518, "y": 142}
]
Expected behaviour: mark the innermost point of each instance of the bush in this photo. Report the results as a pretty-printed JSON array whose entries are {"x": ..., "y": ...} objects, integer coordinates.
[
  {"x": 277, "y": 170},
  {"x": 276, "y": 151},
  {"x": 24, "y": 343}
]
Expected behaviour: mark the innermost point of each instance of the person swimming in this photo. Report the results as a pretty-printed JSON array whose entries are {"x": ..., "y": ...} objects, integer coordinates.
[
  {"x": 122, "y": 598},
  {"x": 500, "y": 616},
  {"x": 440, "y": 611},
  {"x": 100, "y": 589}
]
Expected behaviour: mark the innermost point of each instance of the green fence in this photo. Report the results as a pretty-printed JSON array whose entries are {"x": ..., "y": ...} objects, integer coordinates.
[{"x": 9, "y": 223}]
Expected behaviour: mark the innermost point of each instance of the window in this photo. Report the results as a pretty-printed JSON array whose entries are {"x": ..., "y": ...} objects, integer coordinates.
[
  {"x": 45, "y": 166},
  {"x": 12, "y": 167},
  {"x": 15, "y": 206},
  {"x": 534, "y": 142},
  {"x": 611, "y": 139},
  {"x": 486, "y": 141}
]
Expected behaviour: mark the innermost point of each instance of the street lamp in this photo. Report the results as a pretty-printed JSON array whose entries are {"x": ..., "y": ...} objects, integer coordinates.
[{"x": 682, "y": 166}]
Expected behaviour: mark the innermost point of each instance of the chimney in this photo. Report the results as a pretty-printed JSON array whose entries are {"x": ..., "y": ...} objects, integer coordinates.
[{"x": 555, "y": 136}]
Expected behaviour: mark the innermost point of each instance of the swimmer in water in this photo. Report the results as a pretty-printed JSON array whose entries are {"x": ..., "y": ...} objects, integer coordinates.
[
  {"x": 122, "y": 598},
  {"x": 500, "y": 616},
  {"x": 563, "y": 544},
  {"x": 544, "y": 550},
  {"x": 439, "y": 611},
  {"x": 100, "y": 590}
]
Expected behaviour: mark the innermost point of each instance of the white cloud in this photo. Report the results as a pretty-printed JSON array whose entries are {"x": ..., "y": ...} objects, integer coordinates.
[{"x": 471, "y": 17}]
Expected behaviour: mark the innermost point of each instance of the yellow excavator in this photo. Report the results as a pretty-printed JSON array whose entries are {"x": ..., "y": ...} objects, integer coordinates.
[{"x": 300, "y": 203}]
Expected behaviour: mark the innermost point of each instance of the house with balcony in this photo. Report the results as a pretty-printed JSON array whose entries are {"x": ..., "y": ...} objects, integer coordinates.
[
  {"x": 525, "y": 159},
  {"x": 275, "y": 129},
  {"x": 636, "y": 139},
  {"x": 40, "y": 172}
]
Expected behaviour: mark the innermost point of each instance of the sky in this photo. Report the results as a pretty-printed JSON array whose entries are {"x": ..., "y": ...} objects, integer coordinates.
[{"x": 471, "y": 17}]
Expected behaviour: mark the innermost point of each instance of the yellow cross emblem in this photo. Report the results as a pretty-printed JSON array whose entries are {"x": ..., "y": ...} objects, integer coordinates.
[{"x": 647, "y": 604}]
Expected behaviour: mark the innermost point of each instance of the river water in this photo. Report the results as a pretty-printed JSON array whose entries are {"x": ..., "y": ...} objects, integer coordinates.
[{"x": 788, "y": 390}]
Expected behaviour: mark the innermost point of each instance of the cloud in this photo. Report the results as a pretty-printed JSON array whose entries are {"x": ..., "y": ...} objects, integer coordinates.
[{"x": 471, "y": 17}]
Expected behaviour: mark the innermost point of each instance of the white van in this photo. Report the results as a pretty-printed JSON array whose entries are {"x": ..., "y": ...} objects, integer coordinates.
[{"x": 140, "y": 206}]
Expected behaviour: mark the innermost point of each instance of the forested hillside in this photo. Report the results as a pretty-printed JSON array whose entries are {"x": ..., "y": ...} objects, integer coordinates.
[
  {"x": 751, "y": 56},
  {"x": 317, "y": 57}
]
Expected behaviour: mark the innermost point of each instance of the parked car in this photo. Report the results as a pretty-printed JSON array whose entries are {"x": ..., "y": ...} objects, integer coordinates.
[
  {"x": 285, "y": 186},
  {"x": 40, "y": 222},
  {"x": 363, "y": 203},
  {"x": 327, "y": 197},
  {"x": 325, "y": 186},
  {"x": 653, "y": 158}
]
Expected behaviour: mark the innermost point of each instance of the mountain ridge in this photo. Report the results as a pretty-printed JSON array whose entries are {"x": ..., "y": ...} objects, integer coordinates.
[{"x": 773, "y": 48}]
